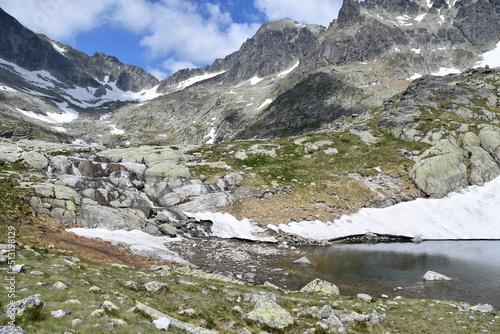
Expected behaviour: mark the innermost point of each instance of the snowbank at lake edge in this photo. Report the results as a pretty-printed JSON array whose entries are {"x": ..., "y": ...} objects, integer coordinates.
[{"x": 472, "y": 213}]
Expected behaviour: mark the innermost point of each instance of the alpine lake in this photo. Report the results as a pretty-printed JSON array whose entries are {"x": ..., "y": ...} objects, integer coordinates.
[{"x": 397, "y": 269}]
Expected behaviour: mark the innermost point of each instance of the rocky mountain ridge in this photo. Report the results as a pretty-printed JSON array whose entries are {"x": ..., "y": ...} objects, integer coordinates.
[
  {"x": 274, "y": 131},
  {"x": 370, "y": 42}
]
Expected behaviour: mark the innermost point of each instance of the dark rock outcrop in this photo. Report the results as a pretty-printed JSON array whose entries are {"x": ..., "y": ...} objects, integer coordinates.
[{"x": 479, "y": 22}]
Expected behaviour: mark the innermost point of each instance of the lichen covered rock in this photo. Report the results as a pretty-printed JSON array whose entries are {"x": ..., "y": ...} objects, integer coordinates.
[
  {"x": 268, "y": 313},
  {"x": 320, "y": 286}
]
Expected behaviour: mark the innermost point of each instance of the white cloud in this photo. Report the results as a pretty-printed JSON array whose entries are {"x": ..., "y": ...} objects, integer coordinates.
[
  {"x": 194, "y": 34},
  {"x": 61, "y": 20},
  {"x": 305, "y": 11},
  {"x": 173, "y": 33},
  {"x": 180, "y": 31}
]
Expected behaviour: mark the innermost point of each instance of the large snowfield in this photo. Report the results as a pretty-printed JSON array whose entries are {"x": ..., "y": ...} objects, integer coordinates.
[{"x": 471, "y": 214}]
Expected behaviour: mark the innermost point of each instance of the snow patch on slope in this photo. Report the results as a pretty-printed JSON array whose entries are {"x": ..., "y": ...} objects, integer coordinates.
[
  {"x": 466, "y": 215},
  {"x": 138, "y": 241},
  {"x": 253, "y": 81},
  {"x": 490, "y": 58},
  {"x": 286, "y": 72},
  {"x": 8, "y": 89},
  {"x": 445, "y": 71},
  {"x": 210, "y": 136},
  {"x": 115, "y": 130},
  {"x": 40, "y": 78},
  {"x": 193, "y": 80},
  {"x": 51, "y": 117},
  {"x": 59, "y": 49},
  {"x": 264, "y": 104},
  {"x": 83, "y": 97},
  {"x": 415, "y": 76}
]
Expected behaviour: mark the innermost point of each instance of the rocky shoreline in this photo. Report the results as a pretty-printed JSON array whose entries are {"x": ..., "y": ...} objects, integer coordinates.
[{"x": 122, "y": 299}]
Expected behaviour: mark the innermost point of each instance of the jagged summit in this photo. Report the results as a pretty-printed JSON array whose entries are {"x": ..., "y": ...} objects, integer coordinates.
[{"x": 275, "y": 47}]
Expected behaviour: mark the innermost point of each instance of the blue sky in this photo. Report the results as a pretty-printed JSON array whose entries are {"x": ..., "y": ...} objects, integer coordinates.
[{"x": 162, "y": 36}]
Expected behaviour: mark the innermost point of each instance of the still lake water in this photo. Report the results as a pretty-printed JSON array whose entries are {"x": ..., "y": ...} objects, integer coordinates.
[{"x": 396, "y": 269}]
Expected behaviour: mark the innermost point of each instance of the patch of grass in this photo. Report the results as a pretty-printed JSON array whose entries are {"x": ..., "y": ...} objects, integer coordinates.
[
  {"x": 14, "y": 208},
  {"x": 213, "y": 300}
]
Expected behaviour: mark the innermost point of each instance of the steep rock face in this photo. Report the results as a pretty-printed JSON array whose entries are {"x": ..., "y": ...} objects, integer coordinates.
[
  {"x": 373, "y": 29},
  {"x": 305, "y": 107},
  {"x": 349, "y": 14},
  {"x": 370, "y": 42},
  {"x": 26, "y": 49},
  {"x": 34, "y": 52},
  {"x": 274, "y": 48},
  {"x": 408, "y": 7},
  {"x": 479, "y": 21}
]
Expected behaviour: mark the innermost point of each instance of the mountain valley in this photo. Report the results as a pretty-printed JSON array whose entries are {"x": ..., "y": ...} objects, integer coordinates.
[{"x": 304, "y": 125}]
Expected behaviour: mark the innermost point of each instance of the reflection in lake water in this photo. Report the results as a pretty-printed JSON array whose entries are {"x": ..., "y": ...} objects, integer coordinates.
[{"x": 397, "y": 269}]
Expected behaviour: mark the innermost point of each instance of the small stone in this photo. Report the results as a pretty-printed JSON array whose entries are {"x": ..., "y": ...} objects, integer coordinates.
[
  {"x": 325, "y": 311},
  {"x": 271, "y": 285},
  {"x": 94, "y": 289},
  {"x": 162, "y": 323},
  {"x": 237, "y": 309},
  {"x": 331, "y": 151},
  {"x": 189, "y": 312},
  {"x": 132, "y": 285},
  {"x": 155, "y": 287},
  {"x": 333, "y": 320},
  {"x": 354, "y": 317},
  {"x": 322, "y": 325},
  {"x": 303, "y": 261},
  {"x": 109, "y": 306},
  {"x": 241, "y": 155},
  {"x": 434, "y": 276},
  {"x": 18, "y": 268},
  {"x": 365, "y": 297},
  {"x": 119, "y": 322},
  {"x": 376, "y": 318},
  {"x": 76, "y": 322},
  {"x": 310, "y": 148},
  {"x": 73, "y": 302},
  {"x": 57, "y": 314},
  {"x": 268, "y": 313},
  {"x": 484, "y": 308},
  {"x": 59, "y": 286},
  {"x": 320, "y": 286},
  {"x": 36, "y": 272},
  {"x": 18, "y": 308},
  {"x": 98, "y": 313},
  {"x": 11, "y": 330}
]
